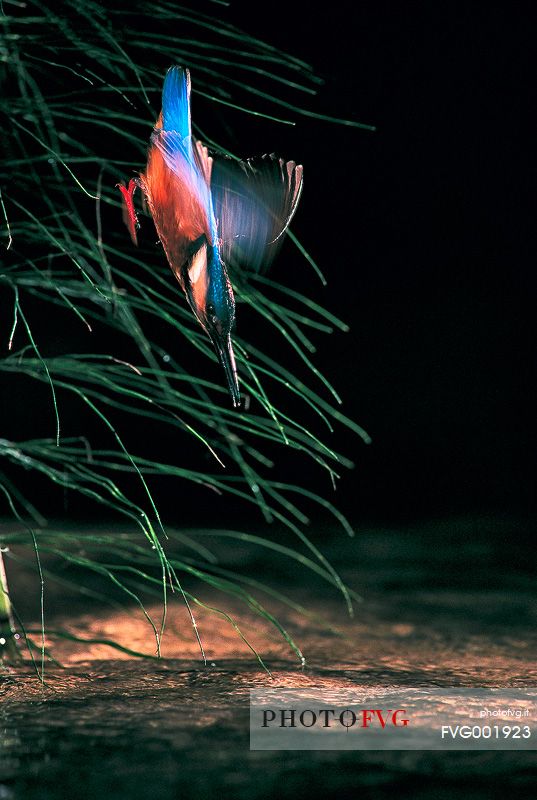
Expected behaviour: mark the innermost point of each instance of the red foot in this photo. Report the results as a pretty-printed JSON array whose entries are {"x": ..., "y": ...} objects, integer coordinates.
[{"x": 129, "y": 214}]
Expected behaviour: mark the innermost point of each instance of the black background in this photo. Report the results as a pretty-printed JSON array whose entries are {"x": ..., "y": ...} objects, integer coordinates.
[{"x": 424, "y": 230}]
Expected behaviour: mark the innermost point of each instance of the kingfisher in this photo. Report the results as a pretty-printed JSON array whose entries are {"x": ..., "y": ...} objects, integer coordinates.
[{"x": 213, "y": 214}]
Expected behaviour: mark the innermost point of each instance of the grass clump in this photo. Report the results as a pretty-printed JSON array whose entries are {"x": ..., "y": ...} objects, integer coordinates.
[{"x": 82, "y": 89}]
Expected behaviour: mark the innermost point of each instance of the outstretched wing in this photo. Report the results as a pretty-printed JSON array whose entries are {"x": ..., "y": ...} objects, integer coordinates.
[{"x": 254, "y": 202}]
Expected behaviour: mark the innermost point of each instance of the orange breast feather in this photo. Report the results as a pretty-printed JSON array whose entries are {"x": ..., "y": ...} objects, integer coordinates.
[{"x": 177, "y": 209}]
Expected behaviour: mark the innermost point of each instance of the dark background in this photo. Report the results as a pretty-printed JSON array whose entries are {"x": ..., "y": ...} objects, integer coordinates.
[{"x": 424, "y": 230}]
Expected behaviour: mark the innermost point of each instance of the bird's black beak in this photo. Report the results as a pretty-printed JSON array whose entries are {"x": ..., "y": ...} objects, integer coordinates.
[{"x": 224, "y": 349}]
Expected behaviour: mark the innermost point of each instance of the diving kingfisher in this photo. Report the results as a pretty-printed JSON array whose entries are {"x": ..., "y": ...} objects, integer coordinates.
[{"x": 212, "y": 214}]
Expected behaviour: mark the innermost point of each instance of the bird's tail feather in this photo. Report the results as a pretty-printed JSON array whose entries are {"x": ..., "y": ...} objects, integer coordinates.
[{"x": 176, "y": 101}]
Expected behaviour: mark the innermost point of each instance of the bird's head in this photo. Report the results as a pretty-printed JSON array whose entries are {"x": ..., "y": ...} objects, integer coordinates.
[
  {"x": 211, "y": 298},
  {"x": 218, "y": 320}
]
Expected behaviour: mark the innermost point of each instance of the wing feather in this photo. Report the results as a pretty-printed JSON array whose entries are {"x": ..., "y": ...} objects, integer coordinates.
[{"x": 254, "y": 202}]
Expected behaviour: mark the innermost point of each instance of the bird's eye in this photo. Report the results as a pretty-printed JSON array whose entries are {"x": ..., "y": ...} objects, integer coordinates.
[{"x": 211, "y": 313}]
